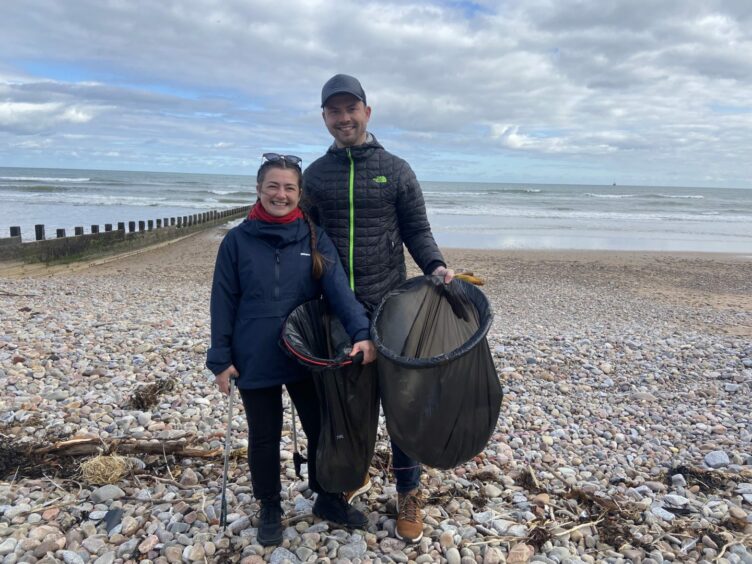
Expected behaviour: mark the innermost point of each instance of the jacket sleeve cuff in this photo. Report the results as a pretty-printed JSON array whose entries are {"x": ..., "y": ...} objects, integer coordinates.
[
  {"x": 218, "y": 359},
  {"x": 361, "y": 335}
]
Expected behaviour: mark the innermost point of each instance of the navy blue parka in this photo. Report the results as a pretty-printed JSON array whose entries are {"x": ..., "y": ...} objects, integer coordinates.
[{"x": 262, "y": 273}]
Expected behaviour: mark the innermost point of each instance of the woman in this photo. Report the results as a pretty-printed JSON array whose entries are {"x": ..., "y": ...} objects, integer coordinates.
[{"x": 267, "y": 266}]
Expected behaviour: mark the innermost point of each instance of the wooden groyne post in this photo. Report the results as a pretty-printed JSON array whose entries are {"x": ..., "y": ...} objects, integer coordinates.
[{"x": 140, "y": 233}]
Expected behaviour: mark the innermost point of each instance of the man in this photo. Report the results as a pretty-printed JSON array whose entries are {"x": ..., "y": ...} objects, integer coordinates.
[{"x": 370, "y": 203}]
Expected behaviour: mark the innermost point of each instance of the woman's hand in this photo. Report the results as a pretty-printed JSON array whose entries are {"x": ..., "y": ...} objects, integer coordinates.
[
  {"x": 368, "y": 350},
  {"x": 223, "y": 379}
]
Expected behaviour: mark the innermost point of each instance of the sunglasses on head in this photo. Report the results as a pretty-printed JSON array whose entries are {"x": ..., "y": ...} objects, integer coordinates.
[{"x": 288, "y": 159}]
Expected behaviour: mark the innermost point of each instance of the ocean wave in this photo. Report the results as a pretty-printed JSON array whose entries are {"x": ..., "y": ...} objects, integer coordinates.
[
  {"x": 609, "y": 216},
  {"x": 230, "y": 192},
  {"x": 483, "y": 193},
  {"x": 681, "y": 196},
  {"x": 614, "y": 196},
  {"x": 43, "y": 179}
]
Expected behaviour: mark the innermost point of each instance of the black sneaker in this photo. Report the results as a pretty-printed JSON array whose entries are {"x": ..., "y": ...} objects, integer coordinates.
[
  {"x": 335, "y": 509},
  {"x": 270, "y": 524}
]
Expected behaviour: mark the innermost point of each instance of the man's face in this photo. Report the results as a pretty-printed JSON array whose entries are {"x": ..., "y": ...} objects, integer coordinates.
[{"x": 346, "y": 118}]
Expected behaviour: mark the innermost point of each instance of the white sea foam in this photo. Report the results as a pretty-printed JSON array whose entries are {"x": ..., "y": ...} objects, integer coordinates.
[
  {"x": 615, "y": 196},
  {"x": 494, "y": 211},
  {"x": 682, "y": 196},
  {"x": 43, "y": 179}
]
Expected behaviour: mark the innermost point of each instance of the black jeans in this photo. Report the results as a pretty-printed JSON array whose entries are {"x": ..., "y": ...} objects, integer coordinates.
[{"x": 263, "y": 411}]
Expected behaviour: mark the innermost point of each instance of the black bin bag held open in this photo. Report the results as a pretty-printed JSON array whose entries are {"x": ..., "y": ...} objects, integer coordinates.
[
  {"x": 439, "y": 388},
  {"x": 348, "y": 395}
]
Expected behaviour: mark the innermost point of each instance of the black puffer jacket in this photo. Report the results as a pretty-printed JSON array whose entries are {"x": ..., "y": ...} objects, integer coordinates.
[{"x": 370, "y": 203}]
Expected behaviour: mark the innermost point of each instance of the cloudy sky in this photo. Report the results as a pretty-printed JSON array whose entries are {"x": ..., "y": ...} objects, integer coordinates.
[{"x": 652, "y": 92}]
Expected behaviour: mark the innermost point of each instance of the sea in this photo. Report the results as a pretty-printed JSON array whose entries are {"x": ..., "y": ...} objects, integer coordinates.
[{"x": 462, "y": 214}]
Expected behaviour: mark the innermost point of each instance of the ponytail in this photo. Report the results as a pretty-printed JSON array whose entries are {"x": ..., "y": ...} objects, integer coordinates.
[{"x": 317, "y": 259}]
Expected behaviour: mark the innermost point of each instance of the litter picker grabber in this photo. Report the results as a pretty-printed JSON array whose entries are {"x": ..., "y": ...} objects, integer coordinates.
[{"x": 223, "y": 503}]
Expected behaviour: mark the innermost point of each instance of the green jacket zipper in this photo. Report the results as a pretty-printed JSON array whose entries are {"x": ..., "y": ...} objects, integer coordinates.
[{"x": 351, "y": 253}]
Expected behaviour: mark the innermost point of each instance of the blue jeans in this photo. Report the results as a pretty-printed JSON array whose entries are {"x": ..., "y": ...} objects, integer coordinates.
[{"x": 406, "y": 470}]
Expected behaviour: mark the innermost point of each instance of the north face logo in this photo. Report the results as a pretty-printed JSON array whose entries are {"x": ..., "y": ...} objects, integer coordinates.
[{"x": 380, "y": 179}]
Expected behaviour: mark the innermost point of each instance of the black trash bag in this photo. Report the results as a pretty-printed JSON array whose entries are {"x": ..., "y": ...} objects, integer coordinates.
[
  {"x": 348, "y": 395},
  {"x": 439, "y": 388}
]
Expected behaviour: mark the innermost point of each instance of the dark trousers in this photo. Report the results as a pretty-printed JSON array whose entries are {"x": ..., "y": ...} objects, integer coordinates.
[
  {"x": 406, "y": 470},
  {"x": 263, "y": 410}
]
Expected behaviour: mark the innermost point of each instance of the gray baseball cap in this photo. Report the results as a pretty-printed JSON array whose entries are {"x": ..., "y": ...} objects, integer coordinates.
[{"x": 342, "y": 84}]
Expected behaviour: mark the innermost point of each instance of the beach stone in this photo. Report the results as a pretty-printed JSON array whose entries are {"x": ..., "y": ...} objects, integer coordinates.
[
  {"x": 13, "y": 512},
  {"x": 280, "y": 555},
  {"x": 93, "y": 544},
  {"x": 520, "y": 554},
  {"x": 174, "y": 553},
  {"x": 70, "y": 557},
  {"x": 493, "y": 556},
  {"x": 658, "y": 511},
  {"x": 41, "y": 532},
  {"x": 452, "y": 556},
  {"x": 45, "y": 547},
  {"x": 717, "y": 459},
  {"x": 8, "y": 546},
  {"x": 239, "y": 524},
  {"x": 491, "y": 491},
  {"x": 148, "y": 544},
  {"x": 129, "y": 525},
  {"x": 737, "y": 513},
  {"x": 196, "y": 553},
  {"x": 483, "y": 517},
  {"x": 106, "y": 493},
  {"x": 676, "y": 500},
  {"x": 399, "y": 556},
  {"x": 390, "y": 544},
  {"x": 106, "y": 558},
  {"x": 189, "y": 478},
  {"x": 446, "y": 539},
  {"x": 253, "y": 559},
  {"x": 353, "y": 550}
]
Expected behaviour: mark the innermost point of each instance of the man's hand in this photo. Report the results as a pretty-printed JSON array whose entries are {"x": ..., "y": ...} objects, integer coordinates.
[
  {"x": 367, "y": 348},
  {"x": 223, "y": 379},
  {"x": 447, "y": 273}
]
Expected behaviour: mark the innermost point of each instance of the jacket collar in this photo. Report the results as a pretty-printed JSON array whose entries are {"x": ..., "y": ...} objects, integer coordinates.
[
  {"x": 358, "y": 151},
  {"x": 276, "y": 234}
]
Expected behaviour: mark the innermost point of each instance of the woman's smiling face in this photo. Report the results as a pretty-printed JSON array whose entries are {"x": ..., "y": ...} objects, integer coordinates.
[{"x": 279, "y": 192}]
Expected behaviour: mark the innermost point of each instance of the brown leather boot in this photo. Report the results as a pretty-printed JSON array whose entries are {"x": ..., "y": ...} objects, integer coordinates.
[{"x": 410, "y": 516}]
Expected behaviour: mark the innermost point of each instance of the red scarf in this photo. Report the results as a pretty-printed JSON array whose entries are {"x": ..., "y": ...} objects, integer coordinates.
[{"x": 258, "y": 212}]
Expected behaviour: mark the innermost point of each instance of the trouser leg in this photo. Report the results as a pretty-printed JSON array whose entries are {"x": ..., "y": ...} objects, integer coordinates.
[
  {"x": 303, "y": 395},
  {"x": 263, "y": 411},
  {"x": 406, "y": 470}
]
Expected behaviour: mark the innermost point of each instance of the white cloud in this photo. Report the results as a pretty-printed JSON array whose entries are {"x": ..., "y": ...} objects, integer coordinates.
[
  {"x": 626, "y": 85},
  {"x": 27, "y": 117}
]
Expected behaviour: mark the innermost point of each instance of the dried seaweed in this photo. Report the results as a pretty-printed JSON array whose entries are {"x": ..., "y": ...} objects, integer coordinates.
[
  {"x": 525, "y": 479},
  {"x": 707, "y": 480},
  {"x": 147, "y": 396}
]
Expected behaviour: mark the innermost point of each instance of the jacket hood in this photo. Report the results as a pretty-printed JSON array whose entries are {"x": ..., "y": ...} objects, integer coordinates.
[{"x": 358, "y": 151}]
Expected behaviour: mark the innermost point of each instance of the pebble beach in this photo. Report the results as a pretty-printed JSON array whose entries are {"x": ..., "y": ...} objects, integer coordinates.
[{"x": 625, "y": 433}]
